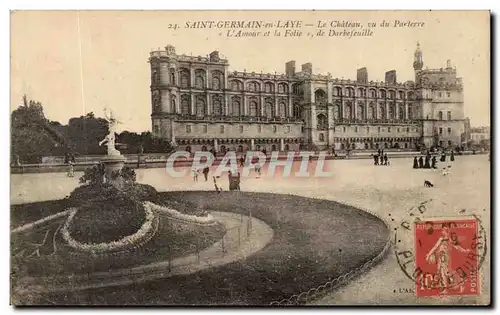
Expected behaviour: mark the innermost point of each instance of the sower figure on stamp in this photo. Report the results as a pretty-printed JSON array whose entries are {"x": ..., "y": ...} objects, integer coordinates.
[{"x": 441, "y": 251}]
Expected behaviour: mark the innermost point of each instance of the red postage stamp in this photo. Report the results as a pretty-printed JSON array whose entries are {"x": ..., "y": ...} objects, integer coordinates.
[{"x": 446, "y": 256}]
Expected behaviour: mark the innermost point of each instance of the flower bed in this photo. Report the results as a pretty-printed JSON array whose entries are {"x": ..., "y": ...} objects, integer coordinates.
[
  {"x": 139, "y": 237},
  {"x": 174, "y": 214}
]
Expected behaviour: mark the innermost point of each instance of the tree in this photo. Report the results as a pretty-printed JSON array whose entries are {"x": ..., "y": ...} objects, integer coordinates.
[{"x": 31, "y": 135}]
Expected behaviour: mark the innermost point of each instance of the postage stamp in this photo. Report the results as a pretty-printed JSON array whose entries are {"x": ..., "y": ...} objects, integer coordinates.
[{"x": 446, "y": 255}]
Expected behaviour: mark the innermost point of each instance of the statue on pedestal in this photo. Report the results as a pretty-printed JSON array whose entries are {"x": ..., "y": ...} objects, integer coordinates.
[{"x": 110, "y": 137}]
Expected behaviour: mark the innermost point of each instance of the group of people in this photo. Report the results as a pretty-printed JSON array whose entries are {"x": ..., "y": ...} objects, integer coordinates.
[
  {"x": 380, "y": 158},
  {"x": 205, "y": 172},
  {"x": 431, "y": 162}
]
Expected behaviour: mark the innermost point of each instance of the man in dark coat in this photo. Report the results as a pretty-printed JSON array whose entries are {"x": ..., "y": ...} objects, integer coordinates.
[
  {"x": 421, "y": 162},
  {"x": 415, "y": 162},
  {"x": 434, "y": 161},
  {"x": 206, "y": 170}
]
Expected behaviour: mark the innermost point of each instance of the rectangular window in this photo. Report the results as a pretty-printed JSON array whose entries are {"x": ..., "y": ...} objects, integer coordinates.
[
  {"x": 389, "y": 129},
  {"x": 188, "y": 128},
  {"x": 407, "y": 129},
  {"x": 398, "y": 130},
  {"x": 448, "y": 94},
  {"x": 343, "y": 129},
  {"x": 449, "y": 130},
  {"x": 275, "y": 129},
  {"x": 241, "y": 128},
  {"x": 355, "y": 129},
  {"x": 205, "y": 128},
  {"x": 222, "y": 129},
  {"x": 440, "y": 131},
  {"x": 288, "y": 129},
  {"x": 440, "y": 94},
  {"x": 367, "y": 129},
  {"x": 302, "y": 129},
  {"x": 259, "y": 128},
  {"x": 449, "y": 115},
  {"x": 378, "y": 129}
]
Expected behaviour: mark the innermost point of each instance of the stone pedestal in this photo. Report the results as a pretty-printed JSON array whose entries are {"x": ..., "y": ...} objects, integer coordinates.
[{"x": 112, "y": 164}]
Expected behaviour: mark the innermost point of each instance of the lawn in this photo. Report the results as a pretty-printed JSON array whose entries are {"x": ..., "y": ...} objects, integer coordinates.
[{"x": 315, "y": 241}]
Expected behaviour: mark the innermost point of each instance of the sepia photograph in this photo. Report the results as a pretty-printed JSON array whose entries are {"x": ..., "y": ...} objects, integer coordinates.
[{"x": 250, "y": 158}]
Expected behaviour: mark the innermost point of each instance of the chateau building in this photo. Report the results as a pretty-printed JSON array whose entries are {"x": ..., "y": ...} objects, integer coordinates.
[{"x": 199, "y": 104}]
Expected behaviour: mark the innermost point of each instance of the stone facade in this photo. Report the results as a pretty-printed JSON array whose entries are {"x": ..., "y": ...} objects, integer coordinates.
[{"x": 199, "y": 104}]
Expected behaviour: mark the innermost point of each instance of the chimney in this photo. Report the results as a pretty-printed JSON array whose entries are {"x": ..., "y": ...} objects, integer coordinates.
[
  {"x": 390, "y": 77},
  {"x": 290, "y": 68},
  {"x": 307, "y": 68},
  {"x": 362, "y": 75}
]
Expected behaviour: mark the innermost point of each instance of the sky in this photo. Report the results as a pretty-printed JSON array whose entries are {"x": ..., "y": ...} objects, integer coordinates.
[{"x": 78, "y": 62}]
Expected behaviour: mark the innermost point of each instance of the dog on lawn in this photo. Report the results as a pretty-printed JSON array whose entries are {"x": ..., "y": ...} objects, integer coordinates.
[{"x": 428, "y": 184}]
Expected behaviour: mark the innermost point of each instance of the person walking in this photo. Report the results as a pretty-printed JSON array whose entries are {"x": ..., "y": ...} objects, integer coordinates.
[
  {"x": 415, "y": 162},
  {"x": 386, "y": 159},
  {"x": 434, "y": 162},
  {"x": 452, "y": 156},
  {"x": 421, "y": 162},
  {"x": 206, "y": 170},
  {"x": 71, "y": 170},
  {"x": 195, "y": 174}
]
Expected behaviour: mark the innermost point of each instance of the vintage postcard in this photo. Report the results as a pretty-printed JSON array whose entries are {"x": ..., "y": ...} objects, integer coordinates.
[{"x": 270, "y": 158}]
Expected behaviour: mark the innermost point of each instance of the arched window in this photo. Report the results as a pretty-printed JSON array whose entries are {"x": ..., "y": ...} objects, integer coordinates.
[
  {"x": 215, "y": 83},
  {"x": 253, "y": 86},
  {"x": 401, "y": 95},
  {"x": 322, "y": 122},
  {"x": 336, "y": 112},
  {"x": 361, "y": 112},
  {"x": 185, "y": 78},
  {"x": 348, "y": 111},
  {"x": 410, "y": 111},
  {"x": 296, "y": 89},
  {"x": 200, "y": 107},
  {"x": 410, "y": 95},
  {"x": 269, "y": 87},
  {"x": 373, "y": 93},
  {"x": 449, "y": 116},
  {"x": 402, "y": 112},
  {"x": 236, "y": 85},
  {"x": 287, "y": 147},
  {"x": 392, "y": 112},
  {"x": 172, "y": 76},
  {"x": 321, "y": 137},
  {"x": 173, "y": 104},
  {"x": 371, "y": 111},
  {"x": 268, "y": 109},
  {"x": 440, "y": 115},
  {"x": 186, "y": 105},
  {"x": 350, "y": 92},
  {"x": 282, "y": 88},
  {"x": 320, "y": 97},
  {"x": 296, "y": 111},
  {"x": 361, "y": 92},
  {"x": 383, "y": 93},
  {"x": 253, "y": 108},
  {"x": 392, "y": 95},
  {"x": 382, "y": 111},
  {"x": 199, "y": 79},
  {"x": 216, "y": 80},
  {"x": 217, "y": 105},
  {"x": 235, "y": 106},
  {"x": 337, "y": 91},
  {"x": 282, "y": 109}
]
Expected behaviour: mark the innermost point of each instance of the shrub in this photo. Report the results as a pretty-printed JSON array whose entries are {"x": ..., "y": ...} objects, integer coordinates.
[
  {"x": 109, "y": 216},
  {"x": 93, "y": 176}
]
